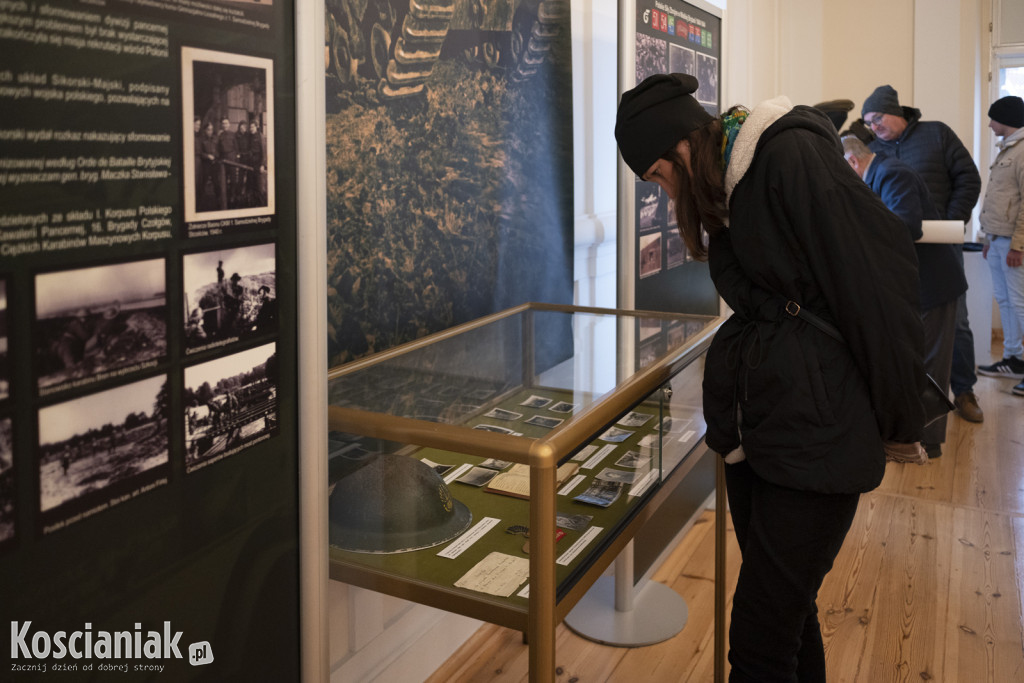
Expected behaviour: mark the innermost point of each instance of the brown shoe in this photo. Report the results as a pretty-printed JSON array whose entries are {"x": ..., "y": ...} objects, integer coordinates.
[{"x": 967, "y": 407}]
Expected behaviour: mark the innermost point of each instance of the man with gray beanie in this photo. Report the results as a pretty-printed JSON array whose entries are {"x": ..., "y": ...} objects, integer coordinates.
[
  {"x": 933, "y": 150},
  {"x": 1002, "y": 219}
]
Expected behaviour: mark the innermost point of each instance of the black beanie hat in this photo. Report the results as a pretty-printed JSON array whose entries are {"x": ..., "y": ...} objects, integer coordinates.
[
  {"x": 884, "y": 101},
  {"x": 1008, "y": 111},
  {"x": 654, "y": 116}
]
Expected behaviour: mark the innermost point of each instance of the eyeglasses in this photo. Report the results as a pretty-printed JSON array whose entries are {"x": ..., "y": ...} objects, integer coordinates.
[{"x": 876, "y": 121}]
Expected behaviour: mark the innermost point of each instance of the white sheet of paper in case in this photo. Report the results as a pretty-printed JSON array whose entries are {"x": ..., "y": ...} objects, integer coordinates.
[
  {"x": 596, "y": 459},
  {"x": 457, "y": 472},
  {"x": 525, "y": 593},
  {"x": 469, "y": 538},
  {"x": 582, "y": 542},
  {"x": 687, "y": 435},
  {"x": 570, "y": 485},
  {"x": 639, "y": 487},
  {"x": 497, "y": 574}
]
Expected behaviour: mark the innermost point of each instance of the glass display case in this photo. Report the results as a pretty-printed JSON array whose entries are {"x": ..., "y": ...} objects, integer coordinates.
[{"x": 495, "y": 469}]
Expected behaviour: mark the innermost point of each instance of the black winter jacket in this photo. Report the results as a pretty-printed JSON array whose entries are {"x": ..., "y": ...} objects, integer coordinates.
[
  {"x": 933, "y": 150},
  {"x": 941, "y": 266},
  {"x": 809, "y": 411}
]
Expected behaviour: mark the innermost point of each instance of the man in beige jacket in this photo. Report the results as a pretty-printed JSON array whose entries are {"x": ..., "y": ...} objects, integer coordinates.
[{"x": 1002, "y": 219}]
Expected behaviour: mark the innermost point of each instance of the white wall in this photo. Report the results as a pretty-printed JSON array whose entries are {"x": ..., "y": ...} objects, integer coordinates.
[{"x": 595, "y": 96}]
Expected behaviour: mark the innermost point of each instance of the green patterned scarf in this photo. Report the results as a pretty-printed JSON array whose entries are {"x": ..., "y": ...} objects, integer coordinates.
[{"x": 731, "y": 124}]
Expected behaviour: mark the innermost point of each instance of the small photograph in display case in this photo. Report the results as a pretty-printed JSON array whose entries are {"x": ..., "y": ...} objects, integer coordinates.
[
  {"x": 100, "y": 322},
  {"x": 101, "y": 449},
  {"x": 230, "y": 405},
  {"x": 650, "y": 56},
  {"x": 5, "y": 368},
  {"x": 230, "y": 294},
  {"x": 681, "y": 60},
  {"x": 502, "y": 414},
  {"x": 707, "y": 76},
  {"x": 601, "y": 493},
  {"x": 650, "y": 254},
  {"x": 7, "y": 513},
  {"x": 228, "y": 133},
  {"x": 546, "y": 422}
]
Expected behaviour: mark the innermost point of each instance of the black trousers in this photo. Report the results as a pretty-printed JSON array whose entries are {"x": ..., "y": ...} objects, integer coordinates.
[
  {"x": 788, "y": 540},
  {"x": 940, "y": 336}
]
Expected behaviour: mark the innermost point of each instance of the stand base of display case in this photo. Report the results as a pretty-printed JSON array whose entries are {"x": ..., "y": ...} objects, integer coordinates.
[{"x": 658, "y": 614}]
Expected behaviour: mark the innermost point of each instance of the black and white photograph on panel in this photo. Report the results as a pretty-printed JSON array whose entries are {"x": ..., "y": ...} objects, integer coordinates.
[
  {"x": 650, "y": 56},
  {"x": 228, "y": 122},
  {"x": 230, "y": 404},
  {"x": 650, "y": 254},
  {"x": 707, "y": 76},
  {"x": 95, "y": 323},
  {"x": 675, "y": 249},
  {"x": 229, "y": 294},
  {"x": 648, "y": 199},
  {"x": 5, "y": 368},
  {"x": 100, "y": 450},
  {"x": 680, "y": 59},
  {"x": 7, "y": 485}
]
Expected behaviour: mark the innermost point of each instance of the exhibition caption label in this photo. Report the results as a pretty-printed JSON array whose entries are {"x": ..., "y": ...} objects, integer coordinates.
[{"x": 32, "y": 233}]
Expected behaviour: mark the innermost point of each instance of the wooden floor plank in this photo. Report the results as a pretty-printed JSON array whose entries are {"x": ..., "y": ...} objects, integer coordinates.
[
  {"x": 848, "y": 597},
  {"x": 984, "y": 632}
]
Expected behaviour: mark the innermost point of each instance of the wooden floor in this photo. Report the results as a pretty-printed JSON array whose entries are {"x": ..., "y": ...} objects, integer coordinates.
[{"x": 928, "y": 586}]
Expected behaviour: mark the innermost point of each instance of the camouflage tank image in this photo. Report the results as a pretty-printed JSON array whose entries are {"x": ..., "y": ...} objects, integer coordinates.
[{"x": 395, "y": 43}]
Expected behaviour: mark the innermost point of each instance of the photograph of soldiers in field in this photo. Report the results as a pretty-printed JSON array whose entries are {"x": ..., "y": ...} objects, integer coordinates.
[
  {"x": 230, "y": 403},
  {"x": 6, "y": 483},
  {"x": 92, "y": 321},
  {"x": 5, "y": 376},
  {"x": 229, "y": 294},
  {"x": 227, "y": 110},
  {"x": 102, "y": 447}
]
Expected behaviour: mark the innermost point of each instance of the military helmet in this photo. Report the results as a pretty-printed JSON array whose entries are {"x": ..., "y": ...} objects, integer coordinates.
[{"x": 391, "y": 504}]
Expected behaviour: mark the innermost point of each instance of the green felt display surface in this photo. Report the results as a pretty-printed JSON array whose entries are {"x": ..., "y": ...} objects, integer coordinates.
[{"x": 426, "y": 566}]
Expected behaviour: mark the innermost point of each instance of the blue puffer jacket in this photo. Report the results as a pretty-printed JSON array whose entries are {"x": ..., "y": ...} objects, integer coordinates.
[
  {"x": 933, "y": 150},
  {"x": 940, "y": 265}
]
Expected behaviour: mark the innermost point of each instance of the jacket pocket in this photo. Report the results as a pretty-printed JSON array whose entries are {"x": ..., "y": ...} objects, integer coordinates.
[{"x": 816, "y": 381}]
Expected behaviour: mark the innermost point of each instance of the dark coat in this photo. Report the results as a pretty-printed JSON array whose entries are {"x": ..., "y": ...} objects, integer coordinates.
[
  {"x": 940, "y": 265},
  {"x": 933, "y": 150},
  {"x": 803, "y": 226}
]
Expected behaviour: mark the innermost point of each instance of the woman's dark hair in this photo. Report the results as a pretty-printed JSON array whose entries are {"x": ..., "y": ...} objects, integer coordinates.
[{"x": 700, "y": 202}]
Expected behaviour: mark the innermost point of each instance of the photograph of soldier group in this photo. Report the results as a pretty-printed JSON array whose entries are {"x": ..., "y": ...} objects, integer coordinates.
[
  {"x": 228, "y": 103},
  {"x": 220, "y": 306},
  {"x": 229, "y": 402},
  {"x": 230, "y": 164},
  {"x": 101, "y": 446},
  {"x": 6, "y": 483},
  {"x": 94, "y": 320}
]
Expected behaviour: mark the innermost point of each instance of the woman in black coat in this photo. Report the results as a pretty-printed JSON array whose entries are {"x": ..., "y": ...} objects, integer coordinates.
[{"x": 803, "y": 417}]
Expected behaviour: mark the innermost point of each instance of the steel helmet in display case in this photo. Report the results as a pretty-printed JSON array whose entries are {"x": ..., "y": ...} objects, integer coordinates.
[{"x": 389, "y": 503}]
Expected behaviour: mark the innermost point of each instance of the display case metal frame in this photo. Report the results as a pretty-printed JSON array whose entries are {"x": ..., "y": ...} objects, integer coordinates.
[{"x": 543, "y": 455}]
